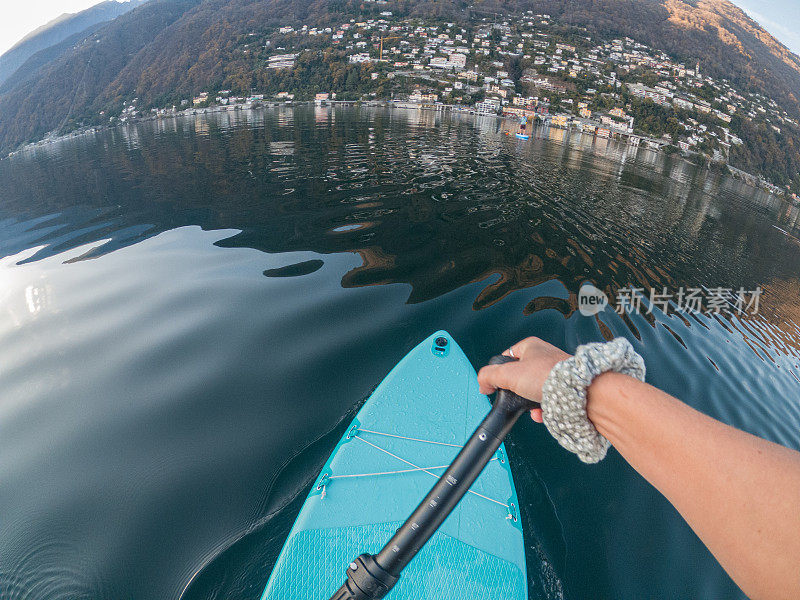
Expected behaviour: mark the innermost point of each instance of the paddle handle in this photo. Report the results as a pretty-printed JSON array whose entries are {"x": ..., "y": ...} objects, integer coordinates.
[{"x": 370, "y": 577}]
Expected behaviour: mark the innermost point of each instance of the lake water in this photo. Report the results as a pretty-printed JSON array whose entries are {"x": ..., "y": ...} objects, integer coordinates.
[{"x": 192, "y": 310}]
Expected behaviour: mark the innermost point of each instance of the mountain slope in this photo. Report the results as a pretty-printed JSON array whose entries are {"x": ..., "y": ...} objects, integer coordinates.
[
  {"x": 728, "y": 43},
  {"x": 170, "y": 49},
  {"x": 66, "y": 87},
  {"x": 31, "y": 67},
  {"x": 196, "y": 51},
  {"x": 59, "y": 29}
]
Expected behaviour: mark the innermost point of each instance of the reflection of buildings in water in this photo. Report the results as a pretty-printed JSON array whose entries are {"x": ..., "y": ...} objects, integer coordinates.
[
  {"x": 678, "y": 182},
  {"x": 241, "y": 118},
  {"x": 225, "y": 121},
  {"x": 648, "y": 157},
  {"x": 398, "y": 115},
  {"x": 285, "y": 116},
  {"x": 556, "y": 134},
  {"x": 51, "y": 150},
  {"x": 618, "y": 153},
  {"x": 232, "y": 119},
  {"x": 737, "y": 187},
  {"x": 488, "y": 124},
  {"x": 257, "y": 117},
  {"x": 600, "y": 146},
  {"x": 56, "y": 147},
  {"x": 322, "y": 114},
  {"x": 680, "y": 172},
  {"x": 507, "y": 194},
  {"x": 130, "y": 136},
  {"x": 769, "y": 200},
  {"x": 238, "y": 118},
  {"x": 790, "y": 218},
  {"x": 702, "y": 207},
  {"x": 281, "y": 148},
  {"x": 200, "y": 125},
  {"x": 662, "y": 159},
  {"x": 425, "y": 118},
  {"x": 490, "y": 138},
  {"x": 576, "y": 156},
  {"x": 582, "y": 141},
  {"x": 709, "y": 183},
  {"x": 166, "y": 125},
  {"x": 719, "y": 186}
]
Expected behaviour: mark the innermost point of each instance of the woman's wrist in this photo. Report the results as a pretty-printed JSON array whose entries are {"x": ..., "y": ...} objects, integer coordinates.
[
  {"x": 620, "y": 407},
  {"x": 604, "y": 399}
]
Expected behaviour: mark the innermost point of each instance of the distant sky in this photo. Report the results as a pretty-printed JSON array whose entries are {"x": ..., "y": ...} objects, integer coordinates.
[
  {"x": 19, "y": 17},
  {"x": 780, "y": 17}
]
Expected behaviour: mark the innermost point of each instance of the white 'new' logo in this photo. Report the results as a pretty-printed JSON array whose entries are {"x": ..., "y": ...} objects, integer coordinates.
[{"x": 591, "y": 300}]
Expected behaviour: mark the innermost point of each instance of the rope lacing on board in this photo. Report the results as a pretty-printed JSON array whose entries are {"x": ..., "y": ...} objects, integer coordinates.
[{"x": 414, "y": 468}]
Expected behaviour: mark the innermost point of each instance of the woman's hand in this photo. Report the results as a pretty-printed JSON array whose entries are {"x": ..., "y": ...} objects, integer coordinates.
[{"x": 526, "y": 376}]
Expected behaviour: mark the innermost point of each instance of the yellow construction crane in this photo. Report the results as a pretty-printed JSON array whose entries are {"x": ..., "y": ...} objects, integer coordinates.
[{"x": 395, "y": 37}]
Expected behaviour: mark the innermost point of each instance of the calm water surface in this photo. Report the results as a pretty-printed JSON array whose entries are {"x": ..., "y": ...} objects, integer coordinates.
[{"x": 192, "y": 310}]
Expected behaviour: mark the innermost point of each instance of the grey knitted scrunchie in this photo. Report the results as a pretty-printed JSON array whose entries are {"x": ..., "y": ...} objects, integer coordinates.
[{"x": 564, "y": 394}]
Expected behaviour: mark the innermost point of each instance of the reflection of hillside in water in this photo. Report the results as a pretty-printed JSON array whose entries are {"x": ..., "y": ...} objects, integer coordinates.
[{"x": 425, "y": 199}]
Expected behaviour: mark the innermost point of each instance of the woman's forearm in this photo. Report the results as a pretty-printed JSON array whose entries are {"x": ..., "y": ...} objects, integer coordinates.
[{"x": 739, "y": 493}]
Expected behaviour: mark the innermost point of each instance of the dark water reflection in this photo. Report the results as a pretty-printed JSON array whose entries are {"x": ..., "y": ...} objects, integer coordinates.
[{"x": 191, "y": 311}]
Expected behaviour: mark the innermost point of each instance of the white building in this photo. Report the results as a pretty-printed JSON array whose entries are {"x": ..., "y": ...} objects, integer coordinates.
[
  {"x": 490, "y": 106},
  {"x": 281, "y": 61},
  {"x": 421, "y": 98},
  {"x": 360, "y": 58}
]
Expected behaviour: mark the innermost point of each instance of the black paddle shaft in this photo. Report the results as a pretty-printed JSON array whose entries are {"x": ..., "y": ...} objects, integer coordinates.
[{"x": 370, "y": 577}]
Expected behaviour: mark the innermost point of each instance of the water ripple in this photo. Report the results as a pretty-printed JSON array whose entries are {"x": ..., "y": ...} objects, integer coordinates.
[{"x": 190, "y": 307}]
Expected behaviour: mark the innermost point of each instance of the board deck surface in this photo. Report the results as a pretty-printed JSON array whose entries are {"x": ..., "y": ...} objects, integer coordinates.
[{"x": 478, "y": 553}]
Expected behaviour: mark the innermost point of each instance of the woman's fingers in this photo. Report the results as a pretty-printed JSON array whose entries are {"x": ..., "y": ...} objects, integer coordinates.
[
  {"x": 515, "y": 350},
  {"x": 521, "y": 348},
  {"x": 526, "y": 375},
  {"x": 506, "y": 376},
  {"x": 492, "y": 377}
]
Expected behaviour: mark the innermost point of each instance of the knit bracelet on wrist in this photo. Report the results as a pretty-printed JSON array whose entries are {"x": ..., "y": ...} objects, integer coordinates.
[{"x": 564, "y": 394}]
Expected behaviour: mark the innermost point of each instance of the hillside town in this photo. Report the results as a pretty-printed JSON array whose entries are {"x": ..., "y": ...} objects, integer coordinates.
[{"x": 529, "y": 68}]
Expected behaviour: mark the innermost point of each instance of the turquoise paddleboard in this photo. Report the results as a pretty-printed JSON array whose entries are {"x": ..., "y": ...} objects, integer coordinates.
[{"x": 401, "y": 440}]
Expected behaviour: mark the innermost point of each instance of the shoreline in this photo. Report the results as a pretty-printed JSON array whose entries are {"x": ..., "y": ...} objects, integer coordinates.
[{"x": 649, "y": 143}]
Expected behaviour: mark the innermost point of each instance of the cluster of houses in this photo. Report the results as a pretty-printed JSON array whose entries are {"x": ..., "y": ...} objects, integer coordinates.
[
  {"x": 464, "y": 64},
  {"x": 574, "y": 82},
  {"x": 223, "y": 98}
]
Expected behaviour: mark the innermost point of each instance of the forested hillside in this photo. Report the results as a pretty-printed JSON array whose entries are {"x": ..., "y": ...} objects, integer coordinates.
[
  {"x": 61, "y": 92},
  {"x": 168, "y": 50},
  {"x": 58, "y": 30}
]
